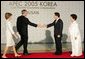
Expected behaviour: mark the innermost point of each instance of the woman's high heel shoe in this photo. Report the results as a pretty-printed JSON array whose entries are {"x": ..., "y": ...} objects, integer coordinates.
[
  {"x": 4, "y": 57},
  {"x": 17, "y": 56},
  {"x": 72, "y": 55}
]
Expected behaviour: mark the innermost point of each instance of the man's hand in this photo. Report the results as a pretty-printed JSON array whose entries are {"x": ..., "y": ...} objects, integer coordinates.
[
  {"x": 41, "y": 25},
  {"x": 58, "y": 36}
]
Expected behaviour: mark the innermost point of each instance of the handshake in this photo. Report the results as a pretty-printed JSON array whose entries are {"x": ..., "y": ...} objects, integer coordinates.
[{"x": 41, "y": 25}]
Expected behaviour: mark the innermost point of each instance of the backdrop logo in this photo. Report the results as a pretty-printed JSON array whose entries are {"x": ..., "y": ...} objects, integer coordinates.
[{"x": 33, "y": 4}]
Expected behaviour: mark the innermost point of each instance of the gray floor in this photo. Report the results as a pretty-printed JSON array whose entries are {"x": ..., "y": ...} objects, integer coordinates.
[{"x": 34, "y": 48}]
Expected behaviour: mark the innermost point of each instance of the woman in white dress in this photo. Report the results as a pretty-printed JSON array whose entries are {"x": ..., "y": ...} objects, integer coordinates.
[
  {"x": 75, "y": 37},
  {"x": 9, "y": 34}
]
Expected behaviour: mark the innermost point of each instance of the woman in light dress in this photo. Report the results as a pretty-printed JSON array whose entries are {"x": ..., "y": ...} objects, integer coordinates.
[
  {"x": 75, "y": 37},
  {"x": 9, "y": 34}
]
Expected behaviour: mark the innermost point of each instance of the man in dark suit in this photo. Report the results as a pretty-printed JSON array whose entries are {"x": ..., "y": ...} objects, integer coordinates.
[
  {"x": 22, "y": 27},
  {"x": 58, "y": 27}
]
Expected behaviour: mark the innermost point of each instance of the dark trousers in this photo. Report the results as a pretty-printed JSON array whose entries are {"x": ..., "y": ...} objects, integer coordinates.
[
  {"x": 58, "y": 44},
  {"x": 23, "y": 41}
]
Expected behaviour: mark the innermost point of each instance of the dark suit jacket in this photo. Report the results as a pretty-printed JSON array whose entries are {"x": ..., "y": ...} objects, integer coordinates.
[
  {"x": 22, "y": 25},
  {"x": 58, "y": 27}
]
